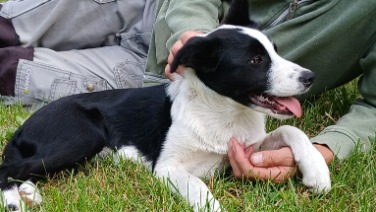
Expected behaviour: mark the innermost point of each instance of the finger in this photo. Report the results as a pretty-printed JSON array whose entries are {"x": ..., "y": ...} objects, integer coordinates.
[
  {"x": 168, "y": 72},
  {"x": 270, "y": 158},
  {"x": 238, "y": 160},
  {"x": 231, "y": 156},
  {"x": 174, "y": 49},
  {"x": 241, "y": 159},
  {"x": 275, "y": 174},
  {"x": 168, "y": 66},
  {"x": 188, "y": 35},
  {"x": 248, "y": 151},
  {"x": 170, "y": 58}
]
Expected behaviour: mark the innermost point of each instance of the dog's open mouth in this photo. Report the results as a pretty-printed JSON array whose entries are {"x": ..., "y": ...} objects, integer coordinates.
[{"x": 289, "y": 106}]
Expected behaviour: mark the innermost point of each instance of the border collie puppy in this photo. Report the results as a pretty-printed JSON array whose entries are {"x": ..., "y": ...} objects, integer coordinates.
[{"x": 233, "y": 78}]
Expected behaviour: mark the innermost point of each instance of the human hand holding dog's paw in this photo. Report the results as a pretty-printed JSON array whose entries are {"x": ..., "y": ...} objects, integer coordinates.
[
  {"x": 275, "y": 165},
  {"x": 174, "y": 50}
]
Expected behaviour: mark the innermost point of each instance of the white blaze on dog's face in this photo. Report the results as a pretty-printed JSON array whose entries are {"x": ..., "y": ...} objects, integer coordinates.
[
  {"x": 241, "y": 63},
  {"x": 285, "y": 79}
]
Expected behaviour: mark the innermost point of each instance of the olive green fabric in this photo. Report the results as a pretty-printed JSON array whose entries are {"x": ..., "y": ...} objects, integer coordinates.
[{"x": 336, "y": 39}]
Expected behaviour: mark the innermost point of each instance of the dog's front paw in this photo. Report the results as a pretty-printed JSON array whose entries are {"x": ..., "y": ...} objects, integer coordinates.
[
  {"x": 12, "y": 200},
  {"x": 317, "y": 177},
  {"x": 212, "y": 206},
  {"x": 29, "y": 193}
]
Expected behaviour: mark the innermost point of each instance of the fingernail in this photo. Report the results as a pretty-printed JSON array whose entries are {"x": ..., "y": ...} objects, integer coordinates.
[{"x": 256, "y": 159}]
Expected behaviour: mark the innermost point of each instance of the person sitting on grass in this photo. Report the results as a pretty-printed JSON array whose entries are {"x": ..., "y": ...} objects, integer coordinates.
[{"x": 50, "y": 49}]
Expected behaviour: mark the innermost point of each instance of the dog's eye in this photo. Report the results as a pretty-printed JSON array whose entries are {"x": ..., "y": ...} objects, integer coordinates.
[{"x": 256, "y": 60}]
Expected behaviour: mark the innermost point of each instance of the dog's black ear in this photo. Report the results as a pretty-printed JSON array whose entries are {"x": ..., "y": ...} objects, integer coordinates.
[
  {"x": 238, "y": 14},
  {"x": 198, "y": 53}
]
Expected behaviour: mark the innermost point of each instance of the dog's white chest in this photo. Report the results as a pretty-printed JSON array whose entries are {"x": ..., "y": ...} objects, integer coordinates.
[
  {"x": 207, "y": 121},
  {"x": 203, "y": 124}
]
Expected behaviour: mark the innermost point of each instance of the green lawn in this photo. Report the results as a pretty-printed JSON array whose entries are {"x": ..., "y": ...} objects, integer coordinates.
[{"x": 104, "y": 185}]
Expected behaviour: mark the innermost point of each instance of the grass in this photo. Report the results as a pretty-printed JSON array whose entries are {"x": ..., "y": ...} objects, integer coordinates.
[{"x": 102, "y": 184}]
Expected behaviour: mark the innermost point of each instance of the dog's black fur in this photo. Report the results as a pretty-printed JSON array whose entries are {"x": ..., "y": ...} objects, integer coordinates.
[
  {"x": 69, "y": 131},
  {"x": 73, "y": 129}
]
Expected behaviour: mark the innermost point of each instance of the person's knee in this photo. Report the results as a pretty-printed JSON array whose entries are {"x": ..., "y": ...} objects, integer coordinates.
[
  {"x": 8, "y": 35},
  {"x": 9, "y": 59}
]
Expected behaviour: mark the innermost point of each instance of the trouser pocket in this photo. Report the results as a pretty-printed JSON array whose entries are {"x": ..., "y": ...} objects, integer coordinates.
[
  {"x": 38, "y": 82},
  {"x": 14, "y": 8},
  {"x": 67, "y": 24},
  {"x": 129, "y": 74}
]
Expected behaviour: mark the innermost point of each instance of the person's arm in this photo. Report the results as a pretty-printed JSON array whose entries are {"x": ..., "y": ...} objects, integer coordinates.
[
  {"x": 174, "y": 17},
  {"x": 192, "y": 15},
  {"x": 277, "y": 165},
  {"x": 359, "y": 125}
]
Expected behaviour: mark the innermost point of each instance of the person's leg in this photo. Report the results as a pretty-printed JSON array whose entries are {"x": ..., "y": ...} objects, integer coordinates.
[
  {"x": 137, "y": 37},
  {"x": 9, "y": 57},
  {"x": 8, "y": 35},
  {"x": 71, "y": 24},
  {"x": 52, "y": 74}
]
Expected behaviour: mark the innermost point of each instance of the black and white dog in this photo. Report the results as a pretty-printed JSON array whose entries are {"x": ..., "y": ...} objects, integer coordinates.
[{"x": 233, "y": 77}]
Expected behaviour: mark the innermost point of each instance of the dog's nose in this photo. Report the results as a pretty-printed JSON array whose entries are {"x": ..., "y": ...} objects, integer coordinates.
[{"x": 307, "y": 78}]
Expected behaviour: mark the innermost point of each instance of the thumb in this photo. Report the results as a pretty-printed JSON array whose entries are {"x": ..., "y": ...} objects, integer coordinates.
[{"x": 271, "y": 158}]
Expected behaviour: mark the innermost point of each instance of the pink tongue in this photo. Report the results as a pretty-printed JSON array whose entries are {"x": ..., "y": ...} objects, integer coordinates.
[{"x": 292, "y": 104}]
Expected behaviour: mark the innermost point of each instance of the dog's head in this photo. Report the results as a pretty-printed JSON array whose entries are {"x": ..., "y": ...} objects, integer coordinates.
[{"x": 241, "y": 63}]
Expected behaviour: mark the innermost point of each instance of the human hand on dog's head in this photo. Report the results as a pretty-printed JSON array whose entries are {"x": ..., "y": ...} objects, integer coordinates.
[{"x": 175, "y": 48}]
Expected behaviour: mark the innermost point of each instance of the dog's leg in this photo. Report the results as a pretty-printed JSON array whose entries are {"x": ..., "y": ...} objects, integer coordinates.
[
  {"x": 310, "y": 162},
  {"x": 131, "y": 153},
  {"x": 189, "y": 186},
  {"x": 127, "y": 153},
  {"x": 10, "y": 197},
  {"x": 12, "y": 200},
  {"x": 16, "y": 198},
  {"x": 47, "y": 160},
  {"x": 30, "y": 193}
]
